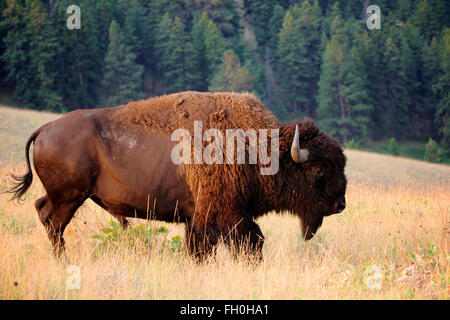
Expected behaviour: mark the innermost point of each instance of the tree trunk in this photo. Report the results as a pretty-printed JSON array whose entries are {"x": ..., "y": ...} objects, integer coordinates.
[
  {"x": 268, "y": 74},
  {"x": 342, "y": 108},
  {"x": 295, "y": 100}
]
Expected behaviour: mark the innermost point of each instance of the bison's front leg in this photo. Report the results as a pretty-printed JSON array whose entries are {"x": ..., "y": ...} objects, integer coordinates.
[
  {"x": 243, "y": 236},
  {"x": 201, "y": 239}
]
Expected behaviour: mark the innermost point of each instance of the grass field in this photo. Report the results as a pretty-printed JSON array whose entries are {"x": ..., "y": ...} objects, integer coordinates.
[{"x": 392, "y": 242}]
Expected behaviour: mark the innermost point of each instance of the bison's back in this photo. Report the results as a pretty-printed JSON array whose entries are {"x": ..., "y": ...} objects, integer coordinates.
[{"x": 167, "y": 113}]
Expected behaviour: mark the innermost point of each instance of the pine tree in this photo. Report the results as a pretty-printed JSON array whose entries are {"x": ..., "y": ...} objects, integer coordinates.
[
  {"x": 411, "y": 45},
  {"x": 431, "y": 18},
  {"x": 162, "y": 40},
  {"x": 396, "y": 94},
  {"x": 104, "y": 11},
  {"x": 122, "y": 77},
  {"x": 78, "y": 60},
  {"x": 178, "y": 63},
  {"x": 137, "y": 32},
  {"x": 257, "y": 71},
  {"x": 344, "y": 107},
  {"x": 154, "y": 16},
  {"x": 199, "y": 58},
  {"x": 442, "y": 88},
  {"x": 430, "y": 81},
  {"x": 209, "y": 46},
  {"x": 28, "y": 55},
  {"x": 224, "y": 14},
  {"x": 357, "y": 85},
  {"x": 333, "y": 110},
  {"x": 414, "y": 69},
  {"x": 377, "y": 78},
  {"x": 214, "y": 44},
  {"x": 231, "y": 75},
  {"x": 287, "y": 56},
  {"x": 331, "y": 14},
  {"x": 298, "y": 65},
  {"x": 405, "y": 9},
  {"x": 183, "y": 9},
  {"x": 261, "y": 12},
  {"x": 3, "y": 33},
  {"x": 275, "y": 25}
]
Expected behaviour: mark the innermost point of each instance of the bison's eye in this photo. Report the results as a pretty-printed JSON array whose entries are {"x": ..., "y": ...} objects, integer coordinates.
[{"x": 317, "y": 171}]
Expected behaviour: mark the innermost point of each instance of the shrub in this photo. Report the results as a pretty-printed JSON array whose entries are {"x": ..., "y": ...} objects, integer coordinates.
[
  {"x": 352, "y": 144},
  {"x": 432, "y": 152},
  {"x": 150, "y": 236},
  {"x": 393, "y": 147}
]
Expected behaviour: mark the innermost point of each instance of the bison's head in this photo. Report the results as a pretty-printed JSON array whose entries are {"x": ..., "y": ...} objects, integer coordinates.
[{"x": 313, "y": 176}]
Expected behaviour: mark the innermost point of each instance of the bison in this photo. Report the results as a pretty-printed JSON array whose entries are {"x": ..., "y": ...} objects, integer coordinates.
[{"x": 121, "y": 159}]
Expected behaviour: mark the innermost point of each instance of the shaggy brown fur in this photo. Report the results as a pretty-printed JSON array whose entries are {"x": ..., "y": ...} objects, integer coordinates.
[
  {"x": 167, "y": 113},
  {"x": 120, "y": 158}
]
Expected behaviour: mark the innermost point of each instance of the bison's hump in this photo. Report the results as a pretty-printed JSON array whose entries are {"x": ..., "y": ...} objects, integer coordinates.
[{"x": 164, "y": 114}]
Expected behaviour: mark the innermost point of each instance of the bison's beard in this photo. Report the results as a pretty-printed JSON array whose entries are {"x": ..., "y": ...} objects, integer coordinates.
[{"x": 310, "y": 226}]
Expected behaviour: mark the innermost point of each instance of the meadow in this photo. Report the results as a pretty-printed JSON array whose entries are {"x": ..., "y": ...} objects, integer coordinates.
[{"x": 392, "y": 242}]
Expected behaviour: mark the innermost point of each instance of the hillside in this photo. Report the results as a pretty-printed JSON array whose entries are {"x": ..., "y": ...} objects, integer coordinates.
[{"x": 391, "y": 242}]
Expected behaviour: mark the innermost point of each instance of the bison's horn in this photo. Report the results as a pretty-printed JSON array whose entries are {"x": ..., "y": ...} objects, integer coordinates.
[{"x": 297, "y": 154}]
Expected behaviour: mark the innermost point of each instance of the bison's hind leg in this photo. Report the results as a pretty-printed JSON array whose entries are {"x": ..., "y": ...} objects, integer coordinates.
[
  {"x": 55, "y": 216},
  {"x": 43, "y": 208}
]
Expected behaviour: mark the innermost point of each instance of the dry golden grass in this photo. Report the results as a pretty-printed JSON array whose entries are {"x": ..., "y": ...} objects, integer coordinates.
[
  {"x": 16, "y": 125},
  {"x": 390, "y": 243}
]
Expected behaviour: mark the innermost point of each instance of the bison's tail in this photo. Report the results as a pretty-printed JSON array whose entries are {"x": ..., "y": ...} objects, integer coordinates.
[{"x": 22, "y": 183}]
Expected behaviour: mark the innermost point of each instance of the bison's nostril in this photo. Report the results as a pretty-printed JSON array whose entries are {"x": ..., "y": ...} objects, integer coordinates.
[{"x": 340, "y": 207}]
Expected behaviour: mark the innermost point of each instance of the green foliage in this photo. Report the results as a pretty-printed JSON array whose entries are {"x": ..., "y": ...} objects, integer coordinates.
[
  {"x": 209, "y": 46},
  {"x": 393, "y": 146},
  {"x": 150, "y": 237},
  {"x": 224, "y": 14},
  {"x": 442, "y": 89},
  {"x": 256, "y": 69},
  {"x": 123, "y": 76},
  {"x": 431, "y": 17},
  {"x": 432, "y": 152},
  {"x": 231, "y": 76},
  {"x": 352, "y": 144},
  {"x": 177, "y": 63},
  {"x": 298, "y": 60},
  {"x": 275, "y": 24},
  {"x": 395, "y": 86},
  {"x": 431, "y": 73},
  {"x": 79, "y": 59},
  {"x": 29, "y": 54},
  {"x": 344, "y": 108},
  {"x": 138, "y": 32}
]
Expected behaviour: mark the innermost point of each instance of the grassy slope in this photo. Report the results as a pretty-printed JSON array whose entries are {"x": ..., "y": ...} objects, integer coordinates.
[
  {"x": 16, "y": 125},
  {"x": 409, "y": 149},
  {"x": 396, "y": 222}
]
